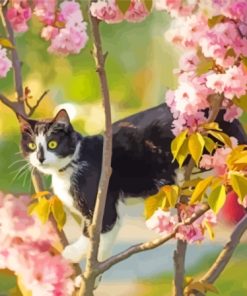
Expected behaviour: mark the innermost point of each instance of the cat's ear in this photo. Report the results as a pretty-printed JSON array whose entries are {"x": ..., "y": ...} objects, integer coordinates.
[
  {"x": 62, "y": 117},
  {"x": 25, "y": 124}
]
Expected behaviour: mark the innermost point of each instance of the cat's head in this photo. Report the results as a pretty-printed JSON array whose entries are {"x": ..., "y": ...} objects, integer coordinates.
[{"x": 48, "y": 145}]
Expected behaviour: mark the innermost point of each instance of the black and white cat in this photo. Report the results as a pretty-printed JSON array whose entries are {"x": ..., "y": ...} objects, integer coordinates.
[{"x": 141, "y": 164}]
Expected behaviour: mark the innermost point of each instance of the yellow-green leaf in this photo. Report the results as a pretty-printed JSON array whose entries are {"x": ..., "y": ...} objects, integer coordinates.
[
  {"x": 205, "y": 65},
  {"x": 222, "y": 137},
  {"x": 178, "y": 142},
  {"x": 152, "y": 203},
  {"x": 183, "y": 153},
  {"x": 210, "y": 230},
  {"x": 42, "y": 209},
  {"x": 212, "y": 126},
  {"x": 196, "y": 145},
  {"x": 6, "y": 43},
  {"x": 200, "y": 189},
  {"x": 191, "y": 183},
  {"x": 148, "y": 4},
  {"x": 241, "y": 102},
  {"x": 171, "y": 193},
  {"x": 242, "y": 159},
  {"x": 58, "y": 212},
  {"x": 123, "y": 5},
  {"x": 215, "y": 20},
  {"x": 239, "y": 185},
  {"x": 217, "y": 198},
  {"x": 210, "y": 288},
  {"x": 40, "y": 194},
  {"x": 210, "y": 145},
  {"x": 23, "y": 289}
]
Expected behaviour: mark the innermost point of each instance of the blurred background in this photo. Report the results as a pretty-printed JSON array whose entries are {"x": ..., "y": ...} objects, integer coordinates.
[{"x": 139, "y": 68}]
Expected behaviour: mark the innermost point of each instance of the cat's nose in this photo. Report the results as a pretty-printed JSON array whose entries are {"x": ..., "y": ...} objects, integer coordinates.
[{"x": 40, "y": 154}]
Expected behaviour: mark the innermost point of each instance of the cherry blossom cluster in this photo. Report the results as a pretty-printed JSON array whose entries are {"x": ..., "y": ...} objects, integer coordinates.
[
  {"x": 63, "y": 27},
  {"x": 108, "y": 11},
  {"x": 26, "y": 249},
  {"x": 214, "y": 43},
  {"x": 218, "y": 161},
  {"x": 164, "y": 223}
]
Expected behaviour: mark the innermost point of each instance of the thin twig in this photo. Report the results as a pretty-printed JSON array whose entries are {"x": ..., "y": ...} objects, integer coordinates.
[
  {"x": 33, "y": 108},
  {"x": 15, "y": 60}
]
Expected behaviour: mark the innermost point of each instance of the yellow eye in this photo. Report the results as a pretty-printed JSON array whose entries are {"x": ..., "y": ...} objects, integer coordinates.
[
  {"x": 32, "y": 146},
  {"x": 52, "y": 144}
]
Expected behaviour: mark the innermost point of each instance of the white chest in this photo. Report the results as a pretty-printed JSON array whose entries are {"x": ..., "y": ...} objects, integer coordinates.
[{"x": 61, "y": 186}]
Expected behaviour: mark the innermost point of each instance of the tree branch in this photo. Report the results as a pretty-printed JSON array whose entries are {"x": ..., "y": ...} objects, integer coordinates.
[
  {"x": 89, "y": 275},
  {"x": 105, "y": 265},
  {"x": 225, "y": 255}
]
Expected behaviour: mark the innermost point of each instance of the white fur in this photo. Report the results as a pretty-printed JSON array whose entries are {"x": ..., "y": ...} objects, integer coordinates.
[{"x": 52, "y": 162}]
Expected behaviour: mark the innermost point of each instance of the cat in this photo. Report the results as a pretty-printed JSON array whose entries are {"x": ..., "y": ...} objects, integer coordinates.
[{"x": 141, "y": 164}]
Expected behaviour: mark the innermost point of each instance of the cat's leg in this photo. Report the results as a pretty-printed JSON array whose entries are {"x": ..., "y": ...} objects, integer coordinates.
[{"x": 76, "y": 251}]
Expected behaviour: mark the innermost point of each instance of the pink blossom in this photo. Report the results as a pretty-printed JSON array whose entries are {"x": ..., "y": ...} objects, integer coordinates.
[
  {"x": 5, "y": 62},
  {"x": 72, "y": 36},
  {"x": 237, "y": 10},
  {"x": 18, "y": 15},
  {"x": 190, "y": 233},
  {"x": 175, "y": 7},
  {"x": 235, "y": 82},
  {"x": 161, "y": 222},
  {"x": 206, "y": 162},
  {"x": 45, "y": 10},
  {"x": 68, "y": 41},
  {"x": 107, "y": 11},
  {"x": 232, "y": 112},
  {"x": 26, "y": 249},
  {"x": 137, "y": 12},
  {"x": 49, "y": 32},
  {"x": 216, "y": 82}
]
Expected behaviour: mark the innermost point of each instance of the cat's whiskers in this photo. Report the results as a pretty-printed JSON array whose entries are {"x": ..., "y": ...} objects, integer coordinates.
[
  {"x": 16, "y": 162},
  {"x": 21, "y": 171}
]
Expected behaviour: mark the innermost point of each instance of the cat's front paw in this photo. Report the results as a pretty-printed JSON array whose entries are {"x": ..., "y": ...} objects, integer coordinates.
[{"x": 72, "y": 254}]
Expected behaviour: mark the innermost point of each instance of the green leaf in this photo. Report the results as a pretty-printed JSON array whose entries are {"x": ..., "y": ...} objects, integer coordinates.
[
  {"x": 58, "y": 212},
  {"x": 6, "y": 43},
  {"x": 42, "y": 209},
  {"x": 178, "y": 142},
  {"x": 196, "y": 145},
  {"x": 217, "y": 198},
  {"x": 210, "y": 145},
  {"x": 239, "y": 185},
  {"x": 222, "y": 137},
  {"x": 200, "y": 189},
  {"x": 241, "y": 102},
  {"x": 148, "y": 4},
  {"x": 123, "y": 5}
]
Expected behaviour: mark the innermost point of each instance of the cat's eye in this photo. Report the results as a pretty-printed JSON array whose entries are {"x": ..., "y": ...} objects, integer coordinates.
[
  {"x": 52, "y": 144},
  {"x": 32, "y": 146}
]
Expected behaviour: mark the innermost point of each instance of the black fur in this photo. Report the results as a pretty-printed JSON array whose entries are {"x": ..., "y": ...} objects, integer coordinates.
[{"x": 141, "y": 159}]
